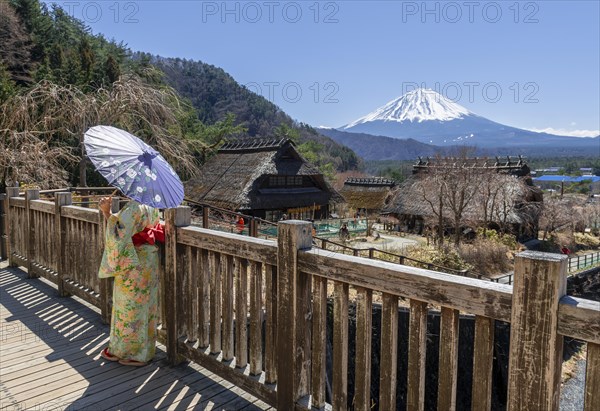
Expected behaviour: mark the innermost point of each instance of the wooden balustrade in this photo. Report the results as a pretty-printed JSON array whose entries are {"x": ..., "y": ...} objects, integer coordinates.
[
  {"x": 3, "y": 232},
  {"x": 255, "y": 311}
]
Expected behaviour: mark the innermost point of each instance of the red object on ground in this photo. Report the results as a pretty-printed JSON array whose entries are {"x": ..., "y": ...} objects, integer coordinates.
[
  {"x": 565, "y": 250},
  {"x": 150, "y": 235}
]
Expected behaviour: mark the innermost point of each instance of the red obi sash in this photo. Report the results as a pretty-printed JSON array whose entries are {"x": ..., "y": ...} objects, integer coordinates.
[{"x": 149, "y": 235}]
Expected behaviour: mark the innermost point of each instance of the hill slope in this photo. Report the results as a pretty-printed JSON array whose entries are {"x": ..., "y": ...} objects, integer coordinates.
[
  {"x": 371, "y": 147},
  {"x": 214, "y": 94},
  {"x": 381, "y": 148}
]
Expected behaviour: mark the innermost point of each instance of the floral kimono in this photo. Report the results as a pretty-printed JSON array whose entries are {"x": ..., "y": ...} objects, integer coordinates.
[{"x": 135, "y": 295}]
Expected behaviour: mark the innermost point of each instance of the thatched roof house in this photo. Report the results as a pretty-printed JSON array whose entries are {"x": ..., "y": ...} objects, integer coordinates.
[
  {"x": 262, "y": 177},
  {"x": 516, "y": 205},
  {"x": 369, "y": 194},
  {"x": 515, "y": 166}
]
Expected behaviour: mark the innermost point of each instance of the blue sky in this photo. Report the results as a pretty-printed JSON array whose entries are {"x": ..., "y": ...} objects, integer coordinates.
[{"x": 529, "y": 64}]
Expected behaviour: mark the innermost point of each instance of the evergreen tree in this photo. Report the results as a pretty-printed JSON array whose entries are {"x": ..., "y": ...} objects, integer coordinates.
[
  {"x": 112, "y": 69},
  {"x": 7, "y": 86},
  {"x": 86, "y": 56}
]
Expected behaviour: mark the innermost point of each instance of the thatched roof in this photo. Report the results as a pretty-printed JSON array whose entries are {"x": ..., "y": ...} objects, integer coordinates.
[
  {"x": 408, "y": 200},
  {"x": 514, "y": 165},
  {"x": 371, "y": 193},
  {"x": 235, "y": 177}
]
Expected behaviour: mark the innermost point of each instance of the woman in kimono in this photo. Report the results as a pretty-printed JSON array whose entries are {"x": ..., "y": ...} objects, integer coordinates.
[{"x": 135, "y": 271}]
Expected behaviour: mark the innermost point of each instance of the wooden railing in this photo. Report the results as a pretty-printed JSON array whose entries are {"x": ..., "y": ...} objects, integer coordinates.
[
  {"x": 255, "y": 311},
  {"x": 3, "y": 233},
  {"x": 60, "y": 242},
  {"x": 225, "y": 220}
]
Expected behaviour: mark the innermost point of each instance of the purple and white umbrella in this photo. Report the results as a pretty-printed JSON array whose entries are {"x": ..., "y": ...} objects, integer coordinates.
[{"x": 134, "y": 167}]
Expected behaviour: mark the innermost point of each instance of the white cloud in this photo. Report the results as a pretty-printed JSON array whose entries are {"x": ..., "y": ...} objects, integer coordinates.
[{"x": 564, "y": 132}]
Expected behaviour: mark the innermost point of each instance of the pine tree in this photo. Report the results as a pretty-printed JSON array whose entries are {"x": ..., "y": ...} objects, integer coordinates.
[
  {"x": 112, "y": 69},
  {"x": 7, "y": 86},
  {"x": 87, "y": 59}
]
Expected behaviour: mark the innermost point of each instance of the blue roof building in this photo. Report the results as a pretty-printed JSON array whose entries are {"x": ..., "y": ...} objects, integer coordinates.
[{"x": 567, "y": 179}]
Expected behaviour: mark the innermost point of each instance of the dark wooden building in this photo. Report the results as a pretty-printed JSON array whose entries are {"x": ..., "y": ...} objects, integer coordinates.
[
  {"x": 265, "y": 178},
  {"x": 370, "y": 195}
]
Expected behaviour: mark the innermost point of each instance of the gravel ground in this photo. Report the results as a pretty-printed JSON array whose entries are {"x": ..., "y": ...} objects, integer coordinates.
[{"x": 571, "y": 394}]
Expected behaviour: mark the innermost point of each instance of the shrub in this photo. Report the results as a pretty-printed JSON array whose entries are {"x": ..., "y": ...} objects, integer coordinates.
[
  {"x": 587, "y": 240},
  {"x": 508, "y": 240},
  {"x": 447, "y": 257},
  {"x": 488, "y": 256}
]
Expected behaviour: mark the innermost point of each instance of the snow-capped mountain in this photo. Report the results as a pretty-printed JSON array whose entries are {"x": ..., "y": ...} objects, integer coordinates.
[
  {"x": 429, "y": 117},
  {"x": 415, "y": 106}
]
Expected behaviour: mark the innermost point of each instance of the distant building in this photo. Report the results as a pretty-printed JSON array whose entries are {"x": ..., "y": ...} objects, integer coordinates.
[
  {"x": 586, "y": 171},
  {"x": 515, "y": 166},
  {"x": 549, "y": 170},
  {"x": 265, "y": 178},
  {"x": 368, "y": 195},
  {"x": 556, "y": 182},
  {"x": 412, "y": 212}
]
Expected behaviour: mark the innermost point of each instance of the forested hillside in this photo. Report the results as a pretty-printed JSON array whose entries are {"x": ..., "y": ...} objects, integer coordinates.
[
  {"x": 382, "y": 148},
  {"x": 57, "y": 79},
  {"x": 215, "y": 94}
]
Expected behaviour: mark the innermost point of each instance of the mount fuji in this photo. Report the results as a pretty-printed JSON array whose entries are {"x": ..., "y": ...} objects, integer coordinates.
[{"x": 428, "y": 117}]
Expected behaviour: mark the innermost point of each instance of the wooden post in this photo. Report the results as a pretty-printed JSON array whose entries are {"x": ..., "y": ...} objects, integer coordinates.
[
  {"x": 417, "y": 347},
  {"x": 293, "y": 374},
  {"x": 339, "y": 397},
  {"x": 205, "y": 215},
  {"x": 319, "y": 342},
  {"x": 389, "y": 356},
  {"x": 364, "y": 330},
  {"x": 10, "y": 192},
  {"x": 592, "y": 378},
  {"x": 30, "y": 195},
  {"x": 3, "y": 252},
  {"x": 271, "y": 324},
  {"x": 483, "y": 358},
  {"x": 241, "y": 313},
  {"x": 174, "y": 217},
  {"x": 106, "y": 284},
  {"x": 253, "y": 229},
  {"x": 448, "y": 363},
  {"x": 85, "y": 200},
  {"x": 535, "y": 346},
  {"x": 60, "y": 200}
]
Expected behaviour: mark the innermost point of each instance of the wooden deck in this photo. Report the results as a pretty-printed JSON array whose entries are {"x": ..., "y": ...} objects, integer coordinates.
[{"x": 49, "y": 360}]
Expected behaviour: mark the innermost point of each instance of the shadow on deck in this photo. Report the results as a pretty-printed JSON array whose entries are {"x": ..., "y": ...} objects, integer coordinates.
[{"x": 49, "y": 360}]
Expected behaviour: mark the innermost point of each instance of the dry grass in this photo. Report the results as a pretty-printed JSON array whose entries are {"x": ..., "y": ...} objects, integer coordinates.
[
  {"x": 487, "y": 256},
  {"x": 447, "y": 256},
  {"x": 41, "y": 129},
  {"x": 586, "y": 240}
]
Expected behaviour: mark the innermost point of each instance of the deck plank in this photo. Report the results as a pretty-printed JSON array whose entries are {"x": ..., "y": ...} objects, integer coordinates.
[{"x": 49, "y": 353}]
